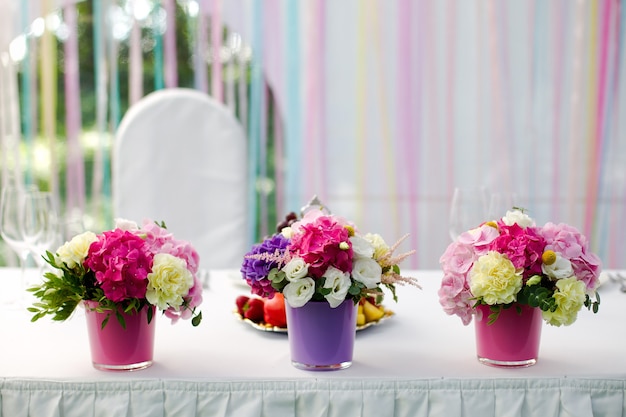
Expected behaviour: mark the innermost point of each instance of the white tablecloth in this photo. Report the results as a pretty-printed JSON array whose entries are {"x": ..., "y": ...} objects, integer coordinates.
[{"x": 420, "y": 362}]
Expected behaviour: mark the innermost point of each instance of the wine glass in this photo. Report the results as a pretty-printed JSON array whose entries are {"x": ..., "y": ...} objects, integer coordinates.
[
  {"x": 500, "y": 203},
  {"x": 468, "y": 210},
  {"x": 12, "y": 212},
  {"x": 43, "y": 230}
]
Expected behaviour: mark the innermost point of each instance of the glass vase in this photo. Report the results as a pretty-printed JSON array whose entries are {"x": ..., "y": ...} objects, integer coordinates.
[
  {"x": 115, "y": 348},
  {"x": 512, "y": 340},
  {"x": 321, "y": 338}
]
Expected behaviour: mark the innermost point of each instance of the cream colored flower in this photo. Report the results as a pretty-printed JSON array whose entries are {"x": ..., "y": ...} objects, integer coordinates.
[
  {"x": 380, "y": 246},
  {"x": 494, "y": 279},
  {"x": 517, "y": 216},
  {"x": 295, "y": 269},
  {"x": 169, "y": 281},
  {"x": 287, "y": 232},
  {"x": 75, "y": 251},
  {"x": 569, "y": 297}
]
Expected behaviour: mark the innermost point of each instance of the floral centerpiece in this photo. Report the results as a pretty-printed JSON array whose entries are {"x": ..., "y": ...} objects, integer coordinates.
[
  {"x": 512, "y": 261},
  {"x": 323, "y": 257},
  {"x": 125, "y": 270}
]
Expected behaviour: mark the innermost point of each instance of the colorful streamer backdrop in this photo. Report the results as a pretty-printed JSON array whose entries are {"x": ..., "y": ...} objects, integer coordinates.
[{"x": 380, "y": 108}]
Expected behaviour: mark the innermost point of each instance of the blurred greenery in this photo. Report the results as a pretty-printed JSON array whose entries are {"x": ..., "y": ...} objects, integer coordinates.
[{"x": 38, "y": 148}]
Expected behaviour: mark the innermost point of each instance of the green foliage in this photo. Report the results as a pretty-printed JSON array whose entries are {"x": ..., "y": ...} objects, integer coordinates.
[
  {"x": 59, "y": 294},
  {"x": 61, "y": 291},
  {"x": 537, "y": 296},
  {"x": 592, "y": 305},
  {"x": 278, "y": 279}
]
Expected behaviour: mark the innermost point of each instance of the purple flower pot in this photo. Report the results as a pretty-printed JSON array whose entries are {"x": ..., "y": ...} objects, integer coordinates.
[
  {"x": 321, "y": 338},
  {"x": 115, "y": 348},
  {"x": 512, "y": 340}
]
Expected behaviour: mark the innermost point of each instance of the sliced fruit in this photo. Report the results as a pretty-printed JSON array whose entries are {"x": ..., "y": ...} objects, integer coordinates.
[{"x": 371, "y": 312}]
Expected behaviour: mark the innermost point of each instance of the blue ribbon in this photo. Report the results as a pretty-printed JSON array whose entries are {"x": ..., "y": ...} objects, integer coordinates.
[
  {"x": 293, "y": 113},
  {"x": 254, "y": 119}
]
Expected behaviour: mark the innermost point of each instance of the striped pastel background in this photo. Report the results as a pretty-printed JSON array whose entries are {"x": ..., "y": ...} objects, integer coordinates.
[{"x": 380, "y": 107}]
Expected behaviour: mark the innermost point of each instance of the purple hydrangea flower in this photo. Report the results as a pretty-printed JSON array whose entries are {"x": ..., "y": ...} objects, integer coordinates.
[{"x": 256, "y": 268}]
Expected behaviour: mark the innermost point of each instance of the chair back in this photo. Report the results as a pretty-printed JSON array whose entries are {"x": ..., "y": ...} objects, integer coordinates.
[{"x": 180, "y": 157}]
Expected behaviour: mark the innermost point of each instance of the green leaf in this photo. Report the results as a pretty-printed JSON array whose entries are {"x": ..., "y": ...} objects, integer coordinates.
[
  {"x": 195, "y": 321},
  {"x": 105, "y": 321},
  {"x": 354, "y": 289},
  {"x": 120, "y": 319},
  {"x": 150, "y": 314}
]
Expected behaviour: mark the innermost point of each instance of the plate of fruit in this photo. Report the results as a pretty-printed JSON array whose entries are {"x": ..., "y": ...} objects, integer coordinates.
[{"x": 269, "y": 314}]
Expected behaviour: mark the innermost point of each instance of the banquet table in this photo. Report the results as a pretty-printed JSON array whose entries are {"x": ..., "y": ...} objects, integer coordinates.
[{"x": 420, "y": 362}]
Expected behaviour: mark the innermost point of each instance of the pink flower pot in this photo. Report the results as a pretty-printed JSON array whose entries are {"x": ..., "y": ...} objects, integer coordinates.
[
  {"x": 512, "y": 340},
  {"x": 118, "y": 349},
  {"x": 321, "y": 338}
]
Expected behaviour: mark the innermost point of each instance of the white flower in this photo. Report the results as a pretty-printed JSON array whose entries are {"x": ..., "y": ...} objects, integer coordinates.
[
  {"x": 124, "y": 224},
  {"x": 75, "y": 251},
  {"x": 379, "y": 244},
  {"x": 559, "y": 269},
  {"x": 517, "y": 216},
  {"x": 361, "y": 247},
  {"x": 367, "y": 271},
  {"x": 339, "y": 282},
  {"x": 295, "y": 269},
  {"x": 287, "y": 232},
  {"x": 299, "y": 292},
  {"x": 169, "y": 281}
]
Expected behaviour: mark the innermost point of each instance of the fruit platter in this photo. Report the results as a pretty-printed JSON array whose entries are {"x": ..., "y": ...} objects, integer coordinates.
[{"x": 269, "y": 314}]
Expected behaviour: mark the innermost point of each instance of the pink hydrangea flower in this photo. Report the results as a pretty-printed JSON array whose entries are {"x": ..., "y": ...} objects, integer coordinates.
[
  {"x": 523, "y": 247},
  {"x": 322, "y": 243},
  {"x": 567, "y": 241},
  {"x": 160, "y": 240},
  {"x": 121, "y": 263},
  {"x": 455, "y": 297},
  {"x": 479, "y": 238},
  {"x": 458, "y": 258}
]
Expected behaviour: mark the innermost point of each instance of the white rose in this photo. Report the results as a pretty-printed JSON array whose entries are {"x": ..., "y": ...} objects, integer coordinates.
[
  {"x": 339, "y": 282},
  {"x": 361, "y": 247},
  {"x": 295, "y": 269},
  {"x": 299, "y": 292},
  {"x": 367, "y": 271},
  {"x": 560, "y": 269},
  {"x": 124, "y": 224},
  {"x": 517, "y": 216},
  {"x": 75, "y": 251}
]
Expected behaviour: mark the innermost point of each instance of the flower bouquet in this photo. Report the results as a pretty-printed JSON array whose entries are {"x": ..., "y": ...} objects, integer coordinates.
[
  {"x": 322, "y": 263},
  {"x": 512, "y": 264},
  {"x": 126, "y": 272}
]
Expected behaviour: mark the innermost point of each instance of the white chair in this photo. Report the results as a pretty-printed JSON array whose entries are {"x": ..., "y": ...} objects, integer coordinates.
[{"x": 180, "y": 157}]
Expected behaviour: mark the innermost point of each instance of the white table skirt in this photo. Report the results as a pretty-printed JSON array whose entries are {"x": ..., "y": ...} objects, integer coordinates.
[{"x": 421, "y": 362}]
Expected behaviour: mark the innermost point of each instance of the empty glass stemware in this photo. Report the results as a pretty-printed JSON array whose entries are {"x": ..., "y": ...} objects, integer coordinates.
[
  {"x": 45, "y": 226},
  {"x": 12, "y": 212},
  {"x": 468, "y": 210}
]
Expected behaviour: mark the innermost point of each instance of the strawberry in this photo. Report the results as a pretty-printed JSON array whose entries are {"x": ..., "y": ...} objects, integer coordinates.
[
  {"x": 241, "y": 302},
  {"x": 254, "y": 312},
  {"x": 274, "y": 311}
]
